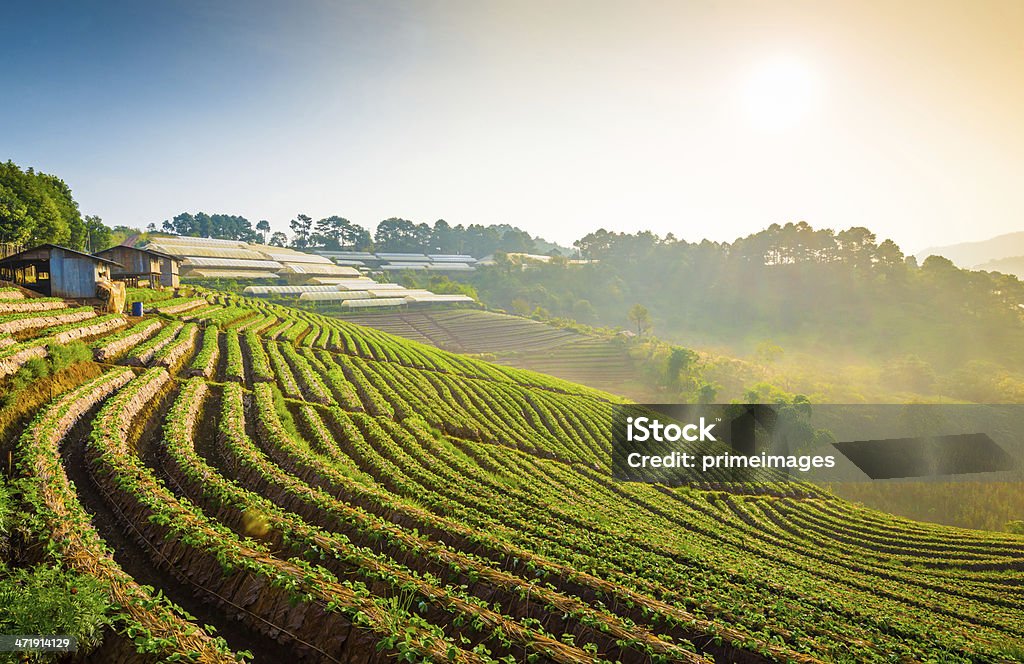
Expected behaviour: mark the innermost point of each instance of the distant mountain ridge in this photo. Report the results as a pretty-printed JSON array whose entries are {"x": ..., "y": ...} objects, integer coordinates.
[
  {"x": 982, "y": 254},
  {"x": 1010, "y": 265}
]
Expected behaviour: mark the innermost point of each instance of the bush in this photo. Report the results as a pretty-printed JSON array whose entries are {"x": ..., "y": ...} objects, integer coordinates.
[
  {"x": 68, "y": 354},
  {"x": 52, "y": 600},
  {"x": 37, "y": 368}
]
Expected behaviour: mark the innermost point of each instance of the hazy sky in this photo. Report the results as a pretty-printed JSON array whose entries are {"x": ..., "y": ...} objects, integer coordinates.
[{"x": 706, "y": 119}]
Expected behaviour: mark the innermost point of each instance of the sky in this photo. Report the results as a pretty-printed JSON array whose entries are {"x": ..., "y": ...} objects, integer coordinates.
[{"x": 708, "y": 119}]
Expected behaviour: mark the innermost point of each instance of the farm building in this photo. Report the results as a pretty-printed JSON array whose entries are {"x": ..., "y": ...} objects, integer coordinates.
[
  {"x": 57, "y": 271},
  {"x": 206, "y": 267},
  {"x": 137, "y": 266}
]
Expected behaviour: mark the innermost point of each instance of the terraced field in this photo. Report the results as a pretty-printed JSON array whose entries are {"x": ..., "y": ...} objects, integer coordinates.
[
  {"x": 520, "y": 342},
  {"x": 320, "y": 491}
]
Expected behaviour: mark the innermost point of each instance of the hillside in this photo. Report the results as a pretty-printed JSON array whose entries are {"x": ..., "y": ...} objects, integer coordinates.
[
  {"x": 321, "y": 491},
  {"x": 818, "y": 292},
  {"x": 600, "y": 362},
  {"x": 977, "y": 254},
  {"x": 634, "y": 371}
]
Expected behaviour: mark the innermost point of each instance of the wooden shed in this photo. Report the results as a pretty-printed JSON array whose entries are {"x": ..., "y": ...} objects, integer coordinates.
[
  {"x": 56, "y": 271},
  {"x": 138, "y": 265}
]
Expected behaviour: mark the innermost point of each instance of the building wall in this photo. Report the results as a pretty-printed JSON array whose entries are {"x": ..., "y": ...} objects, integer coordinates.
[
  {"x": 169, "y": 273},
  {"x": 135, "y": 262},
  {"x": 72, "y": 276}
]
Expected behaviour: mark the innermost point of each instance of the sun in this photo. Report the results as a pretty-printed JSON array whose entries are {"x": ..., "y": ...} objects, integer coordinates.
[{"x": 780, "y": 93}]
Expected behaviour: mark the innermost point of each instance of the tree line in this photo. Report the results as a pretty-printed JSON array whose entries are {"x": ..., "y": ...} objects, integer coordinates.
[
  {"x": 36, "y": 207},
  {"x": 792, "y": 284},
  {"x": 336, "y": 233}
]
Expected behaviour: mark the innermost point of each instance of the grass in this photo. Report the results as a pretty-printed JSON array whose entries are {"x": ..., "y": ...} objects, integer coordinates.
[{"x": 20, "y": 406}]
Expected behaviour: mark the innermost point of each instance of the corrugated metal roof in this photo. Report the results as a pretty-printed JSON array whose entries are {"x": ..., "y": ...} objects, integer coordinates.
[
  {"x": 148, "y": 250},
  {"x": 336, "y": 296},
  {"x": 451, "y": 258},
  {"x": 320, "y": 268},
  {"x": 290, "y": 255},
  {"x": 355, "y": 284},
  {"x": 334, "y": 280},
  {"x": 438, "y": 297},
  {"x": 351, "y": 255},
  {"x": 377, "y": 302},
  {"x": 49, "y": 247},
  {"x": 203, "y": 261},
  {"x": 213, "y": 273},
  {"x": 450, "y": 267},
  {"x": 207, "y": 252},
  {"x": 288, "y": 290},
  {"x": 402, "y": 257},
  {"x": 383, "y": 286}
]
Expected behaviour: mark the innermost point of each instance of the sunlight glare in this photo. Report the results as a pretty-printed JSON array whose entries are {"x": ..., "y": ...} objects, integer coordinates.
[{"x": 780, "y": 94}]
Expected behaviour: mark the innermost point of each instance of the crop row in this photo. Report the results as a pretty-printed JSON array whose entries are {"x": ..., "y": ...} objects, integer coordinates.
[
  {"x": 179, "y": 305},
  {"x": 32, "y": 320},
  {"x": 463, "y": 616},
  {"x": 272, "y": 594},
  {"x": 377, "y": 500},
  {"x": 20, "y": 305},
  {"x": 111, "y": 347},
  {"x": 205, "y": 361},
  {"x": 155, "y": 625},
  {"x": 144, "y": 353}
]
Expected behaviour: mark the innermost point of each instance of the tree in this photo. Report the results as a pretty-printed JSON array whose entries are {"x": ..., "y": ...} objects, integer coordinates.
[
  {"x": 15, "y": 223},
  {"x": 443, "y": 239},
  {"x": 516, "y": 240},
  {"x": 278, "y": 239},
  {"x": 583, "y": 311},
  {"x": 768, "y": 352},
  {"x": 263, "y": 226},
  {"x": 220, "y": 226},
  {"x": 98, "y": 236},
  {"x": 679, "y": 360},
  {"x": 395, "y": 234},
  {"x": 36, "y": 207},
  {"x": 356, "y": 237},
  {"x": 640, "y": 317},
  {"x": 302, "y": 231},
  {"x": 594, "y": 245},
  {"x": 706, "y": 393},
  {"x": 335, "y": 232}
]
